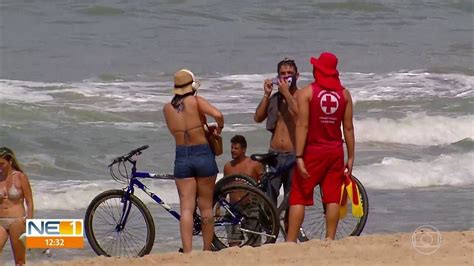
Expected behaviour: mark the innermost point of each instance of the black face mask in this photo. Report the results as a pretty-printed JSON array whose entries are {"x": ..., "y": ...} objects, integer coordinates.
[
  {"x": 292, "y": 84},
  {"x": 293, "y": 81}
]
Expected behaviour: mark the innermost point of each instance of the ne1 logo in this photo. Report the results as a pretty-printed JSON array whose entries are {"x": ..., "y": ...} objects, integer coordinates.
[{"x": 54, "y": 233}]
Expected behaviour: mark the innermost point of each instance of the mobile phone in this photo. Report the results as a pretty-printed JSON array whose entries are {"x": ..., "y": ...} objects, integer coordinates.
[{"x": 276, "y": 79}]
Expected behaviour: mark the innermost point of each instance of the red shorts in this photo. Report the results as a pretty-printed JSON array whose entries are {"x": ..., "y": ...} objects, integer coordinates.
[{"x": 326, "y": 168}]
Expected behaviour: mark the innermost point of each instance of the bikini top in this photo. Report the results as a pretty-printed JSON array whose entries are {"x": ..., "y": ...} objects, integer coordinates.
[
  {"x": 187, "y": 136},
  {"x": 186, "y": 133},
  {"x": 13, "y": 192}
]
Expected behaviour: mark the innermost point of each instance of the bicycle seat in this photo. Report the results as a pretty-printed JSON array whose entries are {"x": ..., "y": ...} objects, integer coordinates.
[{"x": 264, "y": 158}]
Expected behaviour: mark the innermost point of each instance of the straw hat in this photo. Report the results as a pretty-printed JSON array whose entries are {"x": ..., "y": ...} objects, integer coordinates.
[{"x": 184, "y": 82}]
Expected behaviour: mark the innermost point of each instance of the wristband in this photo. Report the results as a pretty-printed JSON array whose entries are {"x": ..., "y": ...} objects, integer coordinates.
[
  {"x": 266, "y": 96},
  {"x": 299, "y": 156}
]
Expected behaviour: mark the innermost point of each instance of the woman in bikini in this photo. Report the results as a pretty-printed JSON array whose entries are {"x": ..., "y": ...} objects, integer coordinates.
[
  {"x": 195, "y": 167},
  {"x": 15, "y": 191}
]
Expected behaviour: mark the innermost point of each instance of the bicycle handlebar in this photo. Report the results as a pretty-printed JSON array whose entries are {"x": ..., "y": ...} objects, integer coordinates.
[{"x": 129, "y": 155}]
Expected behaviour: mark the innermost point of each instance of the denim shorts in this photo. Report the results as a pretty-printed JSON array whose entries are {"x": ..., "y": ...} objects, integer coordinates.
[{"x": 194, "y": 161}]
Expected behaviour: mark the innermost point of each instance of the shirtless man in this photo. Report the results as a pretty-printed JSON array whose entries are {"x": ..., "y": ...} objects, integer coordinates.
[
  {"x": 241, "y": 163},
  {"x": 281, "y": 110}
]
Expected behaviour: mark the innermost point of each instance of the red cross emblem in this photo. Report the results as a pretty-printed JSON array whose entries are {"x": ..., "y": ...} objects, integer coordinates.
[{"x": 329, "y": 103}]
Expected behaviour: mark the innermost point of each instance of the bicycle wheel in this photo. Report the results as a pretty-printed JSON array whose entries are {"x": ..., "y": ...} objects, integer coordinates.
[
  {"x": 243, "y": 216},
  {"x": 233, "y": 180},
  {"x": 102, "y": 225},
  {"x": 314, "y": 225}
]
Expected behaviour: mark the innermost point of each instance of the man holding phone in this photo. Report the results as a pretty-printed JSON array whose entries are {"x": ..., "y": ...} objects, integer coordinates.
[{"x": 281, "y": 110}]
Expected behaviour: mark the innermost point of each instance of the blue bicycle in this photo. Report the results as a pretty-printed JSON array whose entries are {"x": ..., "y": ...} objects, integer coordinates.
[{"x": 118, "y": 223}]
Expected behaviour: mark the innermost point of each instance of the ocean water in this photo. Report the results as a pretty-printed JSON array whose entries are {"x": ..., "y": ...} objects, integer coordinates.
[{"x": 82, "y": 82}]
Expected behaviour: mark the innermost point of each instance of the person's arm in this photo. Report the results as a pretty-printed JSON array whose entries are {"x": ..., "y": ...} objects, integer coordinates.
[
  {"x": 302, "y": 123},
  {"x": 291, "y": 100},
  {"x": 348, "y": 129},
  {"x": 28, "y": 194},
  {"x": 258, "y": 170},
  {"x": 165, "y": 114},
  {"x": 261, "y": 111},
  {"x": 209, "y": 109},
  {"x": 227, "y": 169}
]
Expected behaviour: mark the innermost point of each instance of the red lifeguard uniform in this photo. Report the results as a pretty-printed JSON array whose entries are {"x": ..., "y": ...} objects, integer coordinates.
[{"x": 323, "y": 155}]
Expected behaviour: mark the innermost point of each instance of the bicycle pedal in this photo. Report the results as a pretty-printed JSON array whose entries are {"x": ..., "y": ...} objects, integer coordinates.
[{"x": 180, "y": 250}]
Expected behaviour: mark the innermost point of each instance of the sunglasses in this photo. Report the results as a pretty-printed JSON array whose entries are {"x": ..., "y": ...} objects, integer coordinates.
[{"x": 287, "y": 60}]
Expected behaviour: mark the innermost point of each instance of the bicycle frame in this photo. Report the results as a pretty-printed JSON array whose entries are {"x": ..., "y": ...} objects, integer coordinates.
[
  {"x": 130, "y": 189},
  {"x": 266, "y": 177}
]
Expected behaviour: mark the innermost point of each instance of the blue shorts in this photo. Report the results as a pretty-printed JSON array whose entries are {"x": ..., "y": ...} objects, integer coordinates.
[{"x": 194, "y": 161}]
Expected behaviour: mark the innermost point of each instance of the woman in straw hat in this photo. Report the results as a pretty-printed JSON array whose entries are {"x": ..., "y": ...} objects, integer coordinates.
[
  {"x": 15, "y": 193},
  {"x": 195, "y": 167}
]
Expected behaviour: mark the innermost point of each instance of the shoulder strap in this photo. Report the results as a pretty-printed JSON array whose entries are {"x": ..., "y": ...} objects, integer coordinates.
[
  {"x": 201, "y": 113},
  {"x": 14, "y": 173}
]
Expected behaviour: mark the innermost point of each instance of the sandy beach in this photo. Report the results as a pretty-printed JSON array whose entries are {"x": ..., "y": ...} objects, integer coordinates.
[{"x": 456, "y": 248}]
